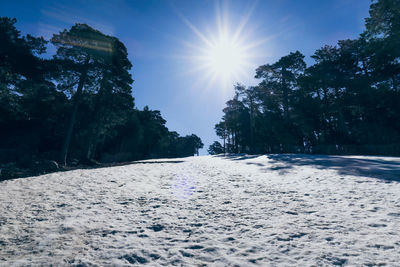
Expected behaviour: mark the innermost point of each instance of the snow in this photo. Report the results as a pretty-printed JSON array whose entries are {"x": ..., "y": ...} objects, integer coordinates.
[{"x": 276, "y": 210}]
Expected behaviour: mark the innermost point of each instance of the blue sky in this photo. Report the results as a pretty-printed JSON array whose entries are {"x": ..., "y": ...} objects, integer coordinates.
[{"x": 163, "y": 39}]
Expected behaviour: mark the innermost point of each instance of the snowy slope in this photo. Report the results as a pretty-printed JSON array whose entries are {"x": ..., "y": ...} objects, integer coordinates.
[{"x": 279, "y": 210}]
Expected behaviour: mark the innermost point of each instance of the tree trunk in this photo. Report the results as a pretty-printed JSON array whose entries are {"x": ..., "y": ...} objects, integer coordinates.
[
  {"x": 285, "y": 91},
  {"x": 94, "y": 138},
  {"x": 224, "y": 145},
  {"x": 94, "y": 133},
  {"x": 225, "y": 137},
  {"x": 76, "y": 98},
  {"x": 252, "y": 126},
  {"x": 394, "y": 82}
]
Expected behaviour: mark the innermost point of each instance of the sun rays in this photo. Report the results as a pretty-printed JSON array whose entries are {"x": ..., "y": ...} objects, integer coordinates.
[
  {"x": 224, "y": 58},
  {"x": 225, "y": 55}
]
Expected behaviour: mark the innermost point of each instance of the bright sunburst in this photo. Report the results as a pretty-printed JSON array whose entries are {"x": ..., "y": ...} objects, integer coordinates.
[{"x": 226, "y": 55}]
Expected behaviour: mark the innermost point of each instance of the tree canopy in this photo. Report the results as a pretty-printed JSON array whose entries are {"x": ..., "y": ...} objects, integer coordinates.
[
  {"x": 344, "y": 103},
  {"x": 76, "y": 107}
]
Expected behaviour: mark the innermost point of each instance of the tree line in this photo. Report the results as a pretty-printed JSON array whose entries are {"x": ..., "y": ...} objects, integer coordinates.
[
  {"x": 75, "y": 107},
  {"x": 347, "y": 102}
]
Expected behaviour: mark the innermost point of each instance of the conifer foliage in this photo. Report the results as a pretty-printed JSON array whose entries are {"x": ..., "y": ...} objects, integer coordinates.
[
  {"x": 347, "y": 102},
  {"x": 76, "y": 107}
]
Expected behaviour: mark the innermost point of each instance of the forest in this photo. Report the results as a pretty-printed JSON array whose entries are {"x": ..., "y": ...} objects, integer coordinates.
[
  {"x": 347, "y": 102},
  {"x": 74, "y": 108}
]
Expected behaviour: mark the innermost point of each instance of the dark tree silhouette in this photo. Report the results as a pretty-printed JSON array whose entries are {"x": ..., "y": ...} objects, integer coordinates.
[
  {"x": 345, "y": 103},
  {"x": 79, "y": 54},
  {"x": 80, "y": 103},
  {"x": 215, "y": 148}
]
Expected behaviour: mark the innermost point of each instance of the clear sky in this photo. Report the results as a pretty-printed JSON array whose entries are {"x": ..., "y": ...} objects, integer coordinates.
[{"x": 179, "y": 48}]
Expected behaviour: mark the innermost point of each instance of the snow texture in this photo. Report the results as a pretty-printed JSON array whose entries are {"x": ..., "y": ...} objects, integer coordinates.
[{"x": 274, "y": 210}]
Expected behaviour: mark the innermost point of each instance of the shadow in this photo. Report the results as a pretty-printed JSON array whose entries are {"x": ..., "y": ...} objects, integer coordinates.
[
  {"x": 155, "y": 162},
  {"x": 384, "y": 168},
  {"x": 237, "y": 156},
  {"x": 28, "y": 173},
  {"x": 108, "y": 165},
  {"x": 255, "y": 163},
  {"x": 247, "y": 157}
]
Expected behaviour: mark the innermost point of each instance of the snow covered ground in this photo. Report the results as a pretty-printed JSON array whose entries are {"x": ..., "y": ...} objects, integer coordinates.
[{"x": 275, "y": 210}]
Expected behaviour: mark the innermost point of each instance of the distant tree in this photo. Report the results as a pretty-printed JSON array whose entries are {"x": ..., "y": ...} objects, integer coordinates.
[
  {"x": 215, "y": 148},
  {"x": 153, "y": 125},
  {"x": 221, "y": 131},
  {"x": 192, "y": 144},
  {"x": 198, "y": 144}
]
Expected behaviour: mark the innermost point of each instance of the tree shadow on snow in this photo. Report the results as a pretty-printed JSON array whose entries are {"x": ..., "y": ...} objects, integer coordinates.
[
  {"x": 380, "y": 168},
  {"x": 237, "y": 156}
]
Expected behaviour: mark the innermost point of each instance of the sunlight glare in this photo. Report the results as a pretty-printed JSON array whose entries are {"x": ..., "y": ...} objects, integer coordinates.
[
  {"x": 226, "y": 54},
  {"x": 224, "y": 57}
]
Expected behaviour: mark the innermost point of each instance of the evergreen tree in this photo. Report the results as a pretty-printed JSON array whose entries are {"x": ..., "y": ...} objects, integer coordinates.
[
  {"x": 215, "y": 148},
  {"x": 98, "y": 63}
]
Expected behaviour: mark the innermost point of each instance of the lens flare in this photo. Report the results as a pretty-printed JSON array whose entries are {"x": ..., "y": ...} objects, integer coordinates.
[{"x": 183, "y": 187}]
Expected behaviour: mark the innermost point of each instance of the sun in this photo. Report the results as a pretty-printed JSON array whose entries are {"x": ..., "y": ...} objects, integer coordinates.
[{"x": 224, "y": 57}]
